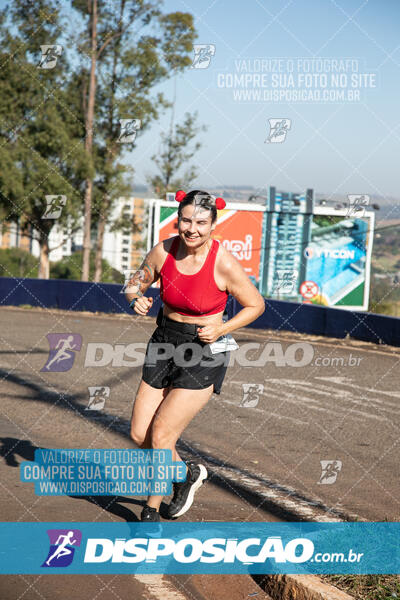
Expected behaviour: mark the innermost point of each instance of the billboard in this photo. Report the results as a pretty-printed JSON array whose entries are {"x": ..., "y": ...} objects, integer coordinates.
[
  {"x": 290, "y": 249},
  {"x": 325, "y": 260},
  {"x": 239, "y": 228},
  {"x": 338, "y": 260}
]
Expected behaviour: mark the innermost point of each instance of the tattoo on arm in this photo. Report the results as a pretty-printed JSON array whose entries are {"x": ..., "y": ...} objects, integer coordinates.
[
  {"x": 140, "y": 280},
  {"x": 148, "y": 273}
]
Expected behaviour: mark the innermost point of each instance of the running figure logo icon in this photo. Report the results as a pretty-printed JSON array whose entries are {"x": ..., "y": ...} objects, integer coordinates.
[
  {"x": 330, "y": 470},
  {"x": 251, "y": 394},
  {"x": 285, "y": 281},
  {"x": 133, "y": 281},
  {"x": 278, "y": 130},
  {"x": 61, "y": 553},
  {"x": 50, "y": 54},
  {"x": 128, "y": 131},
  {"x": 54, "y": 206},
  {"x": 202, "y": 55},
  {"x": 357, "y": 204},
  {"x": 97, "y": 397},
  {"x": 62, "y": 351}
]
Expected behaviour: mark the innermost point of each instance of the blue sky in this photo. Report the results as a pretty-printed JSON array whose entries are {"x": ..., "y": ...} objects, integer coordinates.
[
  {"x": 335, "y": 147},
  {"x": 341, "y": 147}
]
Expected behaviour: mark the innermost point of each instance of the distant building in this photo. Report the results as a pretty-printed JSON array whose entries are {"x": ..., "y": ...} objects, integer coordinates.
[
  {"x": 119, "y": 247},
  {"x": 12, "y": 237}
]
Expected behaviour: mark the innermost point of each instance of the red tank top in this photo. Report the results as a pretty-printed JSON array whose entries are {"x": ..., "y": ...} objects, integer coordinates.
[{"x": 195, "y": 294}]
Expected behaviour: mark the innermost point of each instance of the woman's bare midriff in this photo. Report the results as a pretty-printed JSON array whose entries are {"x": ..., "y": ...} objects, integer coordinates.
[{"x": 198, "y": 319}]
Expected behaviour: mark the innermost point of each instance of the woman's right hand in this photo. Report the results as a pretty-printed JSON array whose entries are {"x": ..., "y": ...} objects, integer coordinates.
[{"x": 143, "y": 305}]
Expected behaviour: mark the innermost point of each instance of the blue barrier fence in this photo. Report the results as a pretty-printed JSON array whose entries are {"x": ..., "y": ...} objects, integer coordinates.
[{"x": 282, "y": 316}]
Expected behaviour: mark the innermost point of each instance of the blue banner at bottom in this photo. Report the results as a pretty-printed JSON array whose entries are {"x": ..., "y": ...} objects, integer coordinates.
[{"x": 207, "y": 547}]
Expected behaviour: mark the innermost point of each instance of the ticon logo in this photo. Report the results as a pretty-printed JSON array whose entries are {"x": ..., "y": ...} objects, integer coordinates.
[
  {"x": 310, "y": 252},
  {"x": 190, "y": 550}
]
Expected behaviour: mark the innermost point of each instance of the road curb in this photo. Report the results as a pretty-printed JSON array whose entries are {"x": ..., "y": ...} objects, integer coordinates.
[
  {"x": 263, "y": 587},
  {"x": 226, "y": 587},
  {"x": 299, "y": 587}
]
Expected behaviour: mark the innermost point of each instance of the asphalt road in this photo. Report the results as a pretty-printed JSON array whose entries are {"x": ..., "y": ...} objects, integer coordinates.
[{"x": 328, "y": 400}]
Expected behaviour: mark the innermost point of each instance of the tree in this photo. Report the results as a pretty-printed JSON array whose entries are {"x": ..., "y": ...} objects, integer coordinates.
[
  {"x": 174, "y": 152},
  {"x": 132, "y": 47},
  {"x": 15, "y": 262},
  {"x": 41, "y": 150},
  {"x": 92, "y": 6},
  {"x": 60, "y": 126},
  {"x": 70, "y": 268}
]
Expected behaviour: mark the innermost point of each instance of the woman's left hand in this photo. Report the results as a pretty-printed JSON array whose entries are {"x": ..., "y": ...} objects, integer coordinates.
[{"x": 210, "y": 333}]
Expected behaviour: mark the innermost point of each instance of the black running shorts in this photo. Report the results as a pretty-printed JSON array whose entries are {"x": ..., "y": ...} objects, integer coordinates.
[{"x": 177, "y": 358}]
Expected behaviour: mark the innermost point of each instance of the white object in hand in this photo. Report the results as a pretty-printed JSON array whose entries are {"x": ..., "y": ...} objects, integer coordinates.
[{"x": 223, "y": 344}]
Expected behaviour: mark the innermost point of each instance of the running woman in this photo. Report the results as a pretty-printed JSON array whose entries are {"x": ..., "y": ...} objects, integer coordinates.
[{"x": 196, "y": 274}]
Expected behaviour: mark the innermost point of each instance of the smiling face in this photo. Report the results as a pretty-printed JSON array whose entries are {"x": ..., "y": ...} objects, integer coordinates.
[{"x": 194, "y": 225}]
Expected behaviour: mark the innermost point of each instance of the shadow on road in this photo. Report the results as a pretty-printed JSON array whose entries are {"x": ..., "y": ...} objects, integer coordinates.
[
  {"x": 11, "y": 448},
  {"x": 120, "y": 426}
]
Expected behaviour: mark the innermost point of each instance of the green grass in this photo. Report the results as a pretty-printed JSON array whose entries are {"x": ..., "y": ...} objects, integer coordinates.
[{"x": 366, "y": 587}]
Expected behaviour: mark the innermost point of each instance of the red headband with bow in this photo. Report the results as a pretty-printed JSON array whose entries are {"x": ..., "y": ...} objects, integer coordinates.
[{"x": 219, "y": 202}]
